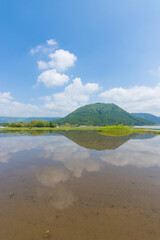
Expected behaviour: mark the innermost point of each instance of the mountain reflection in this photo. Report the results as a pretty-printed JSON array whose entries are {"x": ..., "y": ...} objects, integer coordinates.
[
  {"x": 94, "y": 140},
  {"x": 57, "y": 160},
  {"x": 75, "y": 155},
  {"x": 86, "y": 138}
]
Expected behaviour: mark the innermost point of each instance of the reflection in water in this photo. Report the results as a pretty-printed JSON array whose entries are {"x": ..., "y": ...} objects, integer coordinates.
[
  {"x": 63, "y": 198},
  {"x": 49, "y": 177},
  {"x": 10, "y": 133},
  {"x": 96, "y": 141},
  {"x": 77, "y": 166},
  {"x": 60, "y": 197},
  {"x": 87, "y": 139},
  {"x": 136, "y": 153},
  {"x": 144, "y": 153},
  {"x": 145, "y": 136},
  {"x": 50, "y": 182}
]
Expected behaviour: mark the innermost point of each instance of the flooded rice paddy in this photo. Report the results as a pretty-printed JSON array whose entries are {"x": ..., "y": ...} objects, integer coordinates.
[{"x": 79, "y": 185}]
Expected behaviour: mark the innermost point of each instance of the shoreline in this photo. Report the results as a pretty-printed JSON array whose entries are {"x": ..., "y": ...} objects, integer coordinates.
[{"x": 115, "y": 130}]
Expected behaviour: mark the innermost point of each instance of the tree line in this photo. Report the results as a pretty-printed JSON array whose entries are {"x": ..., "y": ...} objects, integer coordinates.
[{"x": 31, "y": 124}]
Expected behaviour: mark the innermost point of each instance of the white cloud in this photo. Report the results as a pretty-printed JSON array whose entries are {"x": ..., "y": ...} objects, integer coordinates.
[
  {"x": 61, "y": 60},
  {"x": 35, "y": 49},
  {"x": 91, "y": 88},
  {"x": 14, "y": 108},
  {"x": 10, "y": 107},
  {"x": 76, "y": 91},
  {"x": 135, "y": 99},
  {"x": 51, "y": 42},
  {"x": 74, "y": 95},
  {"x": 46, "y": 48},
  {"x": 59, "y": 104},
  {"x": 42, "y": 64},
  {"x": 51, "y": 78},
  {"x": 5, "y": 97}
]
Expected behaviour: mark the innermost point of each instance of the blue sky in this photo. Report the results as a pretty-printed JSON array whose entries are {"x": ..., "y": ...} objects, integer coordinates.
[{"x": 58, "y": 55}]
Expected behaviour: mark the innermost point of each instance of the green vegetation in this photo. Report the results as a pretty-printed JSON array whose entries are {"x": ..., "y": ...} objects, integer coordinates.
[
  {"x": 100, "y": 114},
  {"x": 148, "y": 116},
  {"x": 93, "y": 115},
  {"x": 31, "y": 124},
  {"x": 18, "y": 129},
  {"x": 25, "y": 119},
  {"x": 120, "y": 130}
]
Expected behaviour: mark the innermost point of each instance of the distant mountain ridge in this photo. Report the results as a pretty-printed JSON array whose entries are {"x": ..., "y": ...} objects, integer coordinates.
[
  {"x": 102, "y": 114},
  {"x": 148, "y": 116},
  {"x": 25, "y": 119}
]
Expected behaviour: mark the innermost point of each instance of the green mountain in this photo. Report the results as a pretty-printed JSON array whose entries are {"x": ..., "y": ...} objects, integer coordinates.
[
  {"x": 25, "y": 119},
  {"x": 148, "y": 116},
  {"x": 102, "y": 114}
]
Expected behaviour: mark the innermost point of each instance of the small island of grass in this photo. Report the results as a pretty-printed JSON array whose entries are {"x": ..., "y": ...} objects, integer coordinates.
[{"x": 121, "y": 130}]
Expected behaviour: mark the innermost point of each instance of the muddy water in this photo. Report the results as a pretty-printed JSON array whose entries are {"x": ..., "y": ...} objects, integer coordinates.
[{"x": 63, "y": 187}]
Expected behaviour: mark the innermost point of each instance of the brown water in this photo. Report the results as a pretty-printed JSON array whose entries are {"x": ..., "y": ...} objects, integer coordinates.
[{"x": 56, "y": 186}]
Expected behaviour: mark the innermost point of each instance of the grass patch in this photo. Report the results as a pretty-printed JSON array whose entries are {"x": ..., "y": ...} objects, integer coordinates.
[
  {"x": 120, "y": 130},
  {"x": 46, "y": 128}
]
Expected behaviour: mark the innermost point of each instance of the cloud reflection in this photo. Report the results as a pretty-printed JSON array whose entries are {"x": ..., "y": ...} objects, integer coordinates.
[
  {"x": 138, "y": 153},
  {"x": 72, "y": 161},
  {"x": 54, "y": 178},
  {"x": 63, "y": 198},
  {"x": 49, "y": 177},
  {"x": 74, "y": 158}
]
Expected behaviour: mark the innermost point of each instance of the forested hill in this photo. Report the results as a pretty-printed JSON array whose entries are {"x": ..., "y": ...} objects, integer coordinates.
[
  {"x": 149, "y": 117},
  {"x": 25, "y": 119},
  {"x": 101, "y": 114}
]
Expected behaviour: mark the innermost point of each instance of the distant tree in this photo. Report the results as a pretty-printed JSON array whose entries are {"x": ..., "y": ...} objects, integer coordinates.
[
  {"x": 19, "y": 124},
  {"x": 36, "y": 123},
  {"x": 12, "y": 124},
  {"x": 4, "y": 124},
  {"x": 52, "y": 124},
  {"x": 40, "y": 124}
]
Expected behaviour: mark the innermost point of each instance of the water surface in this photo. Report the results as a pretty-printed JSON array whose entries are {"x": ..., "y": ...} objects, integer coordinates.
[{"x": 79, "y": 185}]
